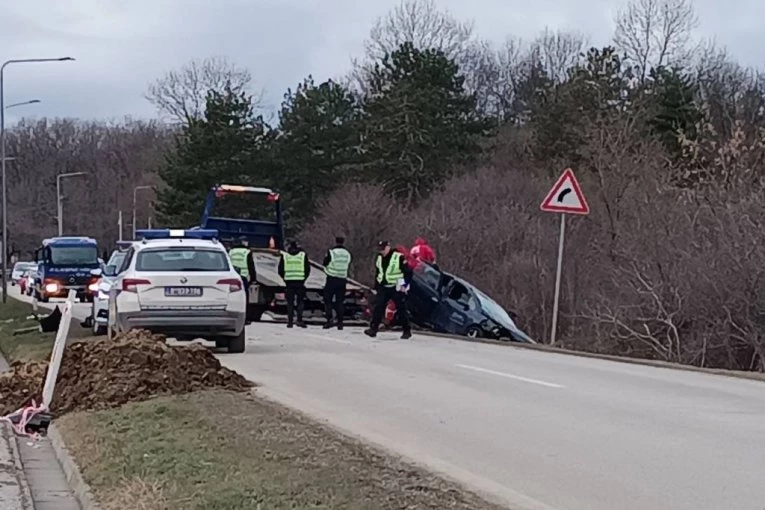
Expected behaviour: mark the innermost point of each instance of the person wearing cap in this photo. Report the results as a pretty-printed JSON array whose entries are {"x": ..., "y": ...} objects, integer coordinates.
[
  {"x": 392, "y": 276},
  {"x": 294, "y": 269},
  {"x": 242, "y": 260},
  {"x": 337, "y": 262}
]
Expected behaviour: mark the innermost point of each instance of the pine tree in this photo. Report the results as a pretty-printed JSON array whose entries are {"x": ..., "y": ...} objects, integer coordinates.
[
  {"x": 219, "y": 148},
  {"x": 419, "y": 121}
]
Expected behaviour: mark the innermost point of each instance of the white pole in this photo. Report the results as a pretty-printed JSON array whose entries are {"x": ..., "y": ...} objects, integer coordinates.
[
  {"x": 558, "y": 271},
  {"x": 119, "y": 222}
]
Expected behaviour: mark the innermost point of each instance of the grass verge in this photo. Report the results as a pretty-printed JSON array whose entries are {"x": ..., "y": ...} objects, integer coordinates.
[
  {"x": 32, "y": 345},
  {"x": 219, "y": 450}
]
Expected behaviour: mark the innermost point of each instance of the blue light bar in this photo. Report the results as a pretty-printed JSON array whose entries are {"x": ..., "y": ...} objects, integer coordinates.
[{"x": 169, "y": 233}]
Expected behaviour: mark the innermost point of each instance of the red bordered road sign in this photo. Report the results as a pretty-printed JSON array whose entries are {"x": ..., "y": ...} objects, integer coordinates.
[{"x": 566, "y": 196}]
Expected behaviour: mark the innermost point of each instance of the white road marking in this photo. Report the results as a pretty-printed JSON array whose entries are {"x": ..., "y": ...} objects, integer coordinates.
[
  {"x": 511, "y": 376},
  {"x": 347, "y": 342}
]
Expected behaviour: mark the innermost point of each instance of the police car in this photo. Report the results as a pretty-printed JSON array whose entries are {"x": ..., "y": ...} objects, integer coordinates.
[{"x": 180, "y": 283}]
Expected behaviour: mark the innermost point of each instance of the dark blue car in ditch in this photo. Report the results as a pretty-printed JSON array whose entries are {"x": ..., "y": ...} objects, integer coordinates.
[{"x": 443, "y": 303}]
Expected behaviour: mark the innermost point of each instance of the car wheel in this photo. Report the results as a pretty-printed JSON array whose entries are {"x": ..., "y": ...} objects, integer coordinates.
[
  {"x": 255, "y": 313},
  {"x": 236, "y": 343},
  {"x": 474, "y": 332}
]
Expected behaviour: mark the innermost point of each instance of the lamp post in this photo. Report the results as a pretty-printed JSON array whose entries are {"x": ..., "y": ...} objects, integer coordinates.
[
  {"x": 135, "y": 195},
  {"x": 23, "y": 103},
  {"x": 60, "y": 199},
  {"x": 2, "y": 160}
]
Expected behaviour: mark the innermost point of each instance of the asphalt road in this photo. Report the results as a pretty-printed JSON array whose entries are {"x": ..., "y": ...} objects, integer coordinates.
[{"x": 536, "y": 430}]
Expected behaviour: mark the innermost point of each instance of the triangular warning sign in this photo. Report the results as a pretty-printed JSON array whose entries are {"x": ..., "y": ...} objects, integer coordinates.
[{"x": 566, "y": 196}]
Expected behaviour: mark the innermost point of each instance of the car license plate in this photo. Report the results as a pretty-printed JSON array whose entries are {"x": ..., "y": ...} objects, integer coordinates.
[{"x": 183, "y": 291}]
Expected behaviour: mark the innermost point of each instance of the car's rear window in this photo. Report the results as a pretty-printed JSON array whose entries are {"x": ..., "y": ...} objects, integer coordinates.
[{"x": 181, "y": 259}]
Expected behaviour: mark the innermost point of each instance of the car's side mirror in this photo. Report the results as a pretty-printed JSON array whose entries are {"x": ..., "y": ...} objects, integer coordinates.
[{"x": 110, "y": 271}]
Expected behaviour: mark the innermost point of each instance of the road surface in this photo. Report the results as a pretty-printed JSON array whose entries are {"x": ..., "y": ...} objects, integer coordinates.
[{"x": 536, "y": 430}]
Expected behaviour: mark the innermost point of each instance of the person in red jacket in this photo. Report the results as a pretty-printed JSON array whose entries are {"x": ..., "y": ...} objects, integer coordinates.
[{"x": 423, "y": 251}]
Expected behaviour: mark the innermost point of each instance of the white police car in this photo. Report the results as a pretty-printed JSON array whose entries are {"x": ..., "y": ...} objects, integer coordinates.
[
  {"x": 98, "y": 320},
  {"x": 180, "y": 283}
]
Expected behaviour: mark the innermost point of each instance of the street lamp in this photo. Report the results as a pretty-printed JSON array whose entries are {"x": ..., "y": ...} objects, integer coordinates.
[
  {"x": 135, "y": 194},
  {"x": 3, "y": 249},
  {"x": 23, "y": 103},
  {"x": 60, "y": 201}
]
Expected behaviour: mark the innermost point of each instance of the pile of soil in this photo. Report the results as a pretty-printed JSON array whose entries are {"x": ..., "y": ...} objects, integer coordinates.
[{"x": 104, "y": 373}]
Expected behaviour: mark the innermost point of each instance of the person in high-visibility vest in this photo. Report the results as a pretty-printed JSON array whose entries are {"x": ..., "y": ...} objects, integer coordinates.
[
  {"x": 294, "y": 269},
  {"x": 336, "y": 263},
  {"x": 242, "y": 260},
  {"x": 392, "y": 277}
]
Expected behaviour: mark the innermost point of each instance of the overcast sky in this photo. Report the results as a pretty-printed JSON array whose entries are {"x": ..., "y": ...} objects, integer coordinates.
[{"x": 121, "y": 45}]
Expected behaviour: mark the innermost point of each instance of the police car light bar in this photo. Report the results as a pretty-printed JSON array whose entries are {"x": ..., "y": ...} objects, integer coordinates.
[{"x": 169, "y": 233}]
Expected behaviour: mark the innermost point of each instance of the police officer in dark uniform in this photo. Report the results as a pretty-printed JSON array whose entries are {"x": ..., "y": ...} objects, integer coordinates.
[
  {"x": 336, "y": 263},
  {"x": 392, "y": 276}
]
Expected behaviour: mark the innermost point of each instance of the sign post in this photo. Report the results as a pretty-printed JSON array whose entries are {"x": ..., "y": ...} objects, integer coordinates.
[{"x": 565, "y": 197}]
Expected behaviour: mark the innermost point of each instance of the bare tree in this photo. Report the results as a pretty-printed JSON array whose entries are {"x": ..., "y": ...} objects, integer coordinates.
[
  {"x": 421, "y": 23},
  {"x": 655, "y": 33},
  {"x": 181, "y": 93},
  {"x": 425, "y": 26},
  {"x": 558, "y": 51}
]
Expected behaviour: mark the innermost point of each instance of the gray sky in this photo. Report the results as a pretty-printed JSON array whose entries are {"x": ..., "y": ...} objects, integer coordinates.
[{"x": 121, "y": 45}]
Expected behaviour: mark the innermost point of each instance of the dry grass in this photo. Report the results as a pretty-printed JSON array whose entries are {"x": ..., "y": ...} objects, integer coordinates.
[
  {"x": 33, "y": 345},
  {"x": 219, "y": 450}
]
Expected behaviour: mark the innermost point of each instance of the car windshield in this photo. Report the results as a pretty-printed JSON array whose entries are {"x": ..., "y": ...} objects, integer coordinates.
[
  {"x": 116, "y": 259},
  {"x": 73, "y": 255},
  {"x": 494, "y": 311},
  {"x": 181, "y": 259}
]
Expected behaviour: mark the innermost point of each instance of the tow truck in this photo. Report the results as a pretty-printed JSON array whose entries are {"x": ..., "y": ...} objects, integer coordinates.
[{"x": 264, "y": 230}]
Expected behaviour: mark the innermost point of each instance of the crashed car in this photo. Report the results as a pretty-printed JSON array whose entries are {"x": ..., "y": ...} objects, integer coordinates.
[{"x": 443, "y": 303}]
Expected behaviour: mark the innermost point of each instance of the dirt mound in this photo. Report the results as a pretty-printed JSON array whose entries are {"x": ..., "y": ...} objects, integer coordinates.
[{"x": 108, "y": 373}]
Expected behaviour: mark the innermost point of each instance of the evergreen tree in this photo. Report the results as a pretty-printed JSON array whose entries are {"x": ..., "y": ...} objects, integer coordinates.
[
  {"x": 318, "y": 141},
  {"x": 222, "y": 147},
  {"x": 676, "y": 109},
  {"x": 419, "y": 121}
]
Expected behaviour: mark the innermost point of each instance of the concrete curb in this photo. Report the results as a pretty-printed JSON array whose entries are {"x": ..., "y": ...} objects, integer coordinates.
[
  {"x": 737, "y": 374},
  {"x": 27, "y": 503},
  {"x": 74, "y": 478}
]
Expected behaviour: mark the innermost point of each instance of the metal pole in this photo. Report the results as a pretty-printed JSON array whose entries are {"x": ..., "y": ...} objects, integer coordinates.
[
  {"x": 558, "y": 271},
  {"x": 2, "y": 160},
  {"x": 59, "y": 207},
  {"x": 135, "y": 192},
  {"x": 5, "y": 187},
  {"x": 119, "y": 222},
  {"x": 148, "y": 223}
]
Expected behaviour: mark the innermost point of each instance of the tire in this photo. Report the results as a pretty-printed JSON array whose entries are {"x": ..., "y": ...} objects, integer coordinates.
[
  {"x": 255, "y": 313},
  {"x": 236, "y": 343},
  {"x": 474, "y": 332}
]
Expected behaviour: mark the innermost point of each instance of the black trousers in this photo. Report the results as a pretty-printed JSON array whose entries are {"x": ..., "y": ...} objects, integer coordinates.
[
  {"x": 385, "y": 294},
  {"x": 334, "y": 298},
  {"x": 295, "y": 295}
]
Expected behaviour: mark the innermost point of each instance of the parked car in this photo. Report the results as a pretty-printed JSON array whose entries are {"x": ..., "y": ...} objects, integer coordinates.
[
  {"x": 18, "y": 271},
  {"x": 99, "y": 314},
  {"x": 441, "y": 302},
  {"x": 180, "y": 283}
]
